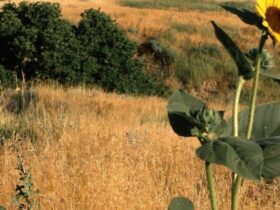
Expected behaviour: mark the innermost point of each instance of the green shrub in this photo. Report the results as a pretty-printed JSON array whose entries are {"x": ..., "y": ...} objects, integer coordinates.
[
  {"x": 37, "y": 42},
  {"x": 105, "y": 43},
  {"x": 7, "y": 78}
]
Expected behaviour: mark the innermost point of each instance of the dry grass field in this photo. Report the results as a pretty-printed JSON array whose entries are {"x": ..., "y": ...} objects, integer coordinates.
[{"x": 91, "y": 150}]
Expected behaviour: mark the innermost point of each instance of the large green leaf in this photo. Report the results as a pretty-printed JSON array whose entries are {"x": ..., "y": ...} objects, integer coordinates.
[
  {"x": 266, "y": 122},
  {"x": 244, "y": 67},
  {"x": 180, "y": 106},
  {"x": 271, "y": 152},
  {"x": 271, "y": 75},
  {"x": 180, "y": 203},
  {"x": 246, "y": 16},
  {"x": 242, "y": 156}
]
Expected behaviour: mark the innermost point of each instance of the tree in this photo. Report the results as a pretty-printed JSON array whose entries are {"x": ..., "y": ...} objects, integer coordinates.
[{"x": 104, "y": 41}]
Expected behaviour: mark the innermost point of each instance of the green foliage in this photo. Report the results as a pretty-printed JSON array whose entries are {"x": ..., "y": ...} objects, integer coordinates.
[
  {"x": 180, "y": 106},
  {"x": 245, "y": 15},
  {"x": 244, "y": 67},
  {"x": 180, "y": 203},
  {"x": 266, "y": 58},
  {"x": 38, "y": 43},
  {"x": 271, "y": 151},
  {"x": 271, "y": 75},
  {"x": 250, "y": 159},
  {"x": 7, "y": 78},
  {"x": 241, "y": 156},
  {"x": 102, "y": 40},
  {"x": 207, "y": 119},
  {"x": 267, "y": 122},
  {"x": 2, "y": 208},
  {"x": 189, "y": 116},
  {"x": 24, "y": 191}
]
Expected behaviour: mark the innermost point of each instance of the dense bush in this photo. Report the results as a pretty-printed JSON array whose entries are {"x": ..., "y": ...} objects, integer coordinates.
[
  {"x": 101, "y": 39},
  {"x": 35, "y": 40},
  {"x": 7, "y": 78}
]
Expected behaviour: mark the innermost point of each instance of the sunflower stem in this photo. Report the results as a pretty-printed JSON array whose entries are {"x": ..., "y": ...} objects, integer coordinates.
[
  {"x": 239, "y": 85},
  {"x": 211, "y": 186},
  {"x": 238, "y": 179},
  {"x": 255, "y": 87},
  {"x": 234, "y": 193}
]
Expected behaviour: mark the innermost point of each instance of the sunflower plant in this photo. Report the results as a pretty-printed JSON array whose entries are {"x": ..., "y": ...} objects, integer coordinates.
[{"x": 248, "y": 143}]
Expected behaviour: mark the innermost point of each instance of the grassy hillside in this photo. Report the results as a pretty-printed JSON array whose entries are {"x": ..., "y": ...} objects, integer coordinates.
[
  {"x": 201, "y": 5},
  {"x": 201, "y": 63}
]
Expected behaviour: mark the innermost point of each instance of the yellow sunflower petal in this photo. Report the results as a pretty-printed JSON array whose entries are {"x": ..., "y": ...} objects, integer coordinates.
[
  {"x": 269, "y": 3},
  {"x": 261, "y": 3},
  {"x": 277, "y": 37},
  {"x": 274, "y": 2},
  {"x": 265, "y": 24},
  {"x": 261, "y": 7},
  {"x": 260, "y": 11},
  {"x": 269, "y": 10},
  {"x": 277, "y": 3}
]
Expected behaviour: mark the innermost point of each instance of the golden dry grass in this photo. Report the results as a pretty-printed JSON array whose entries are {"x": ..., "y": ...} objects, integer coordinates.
[
  {"x": 106, "y": 151},
  {"x": 151, "y": 22},
  {"x": 96, "y": 150}
]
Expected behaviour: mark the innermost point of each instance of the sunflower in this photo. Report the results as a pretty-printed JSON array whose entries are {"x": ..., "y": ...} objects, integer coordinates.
[{"x": 269, "y": 10}]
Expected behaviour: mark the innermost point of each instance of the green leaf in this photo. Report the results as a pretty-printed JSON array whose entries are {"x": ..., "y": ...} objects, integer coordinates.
[
  {"x": 241, "y": 156},
  {"x": 271, "y": 152},
  {"x": 270, "y": 75},
  {"x": 244, "y": 67},
  {"x": 246, "y": 16},
  {"x": 180, "y": 203},
  {"x": 180, "y": 105},
  {"x": 266, "y": 122},
  {"x": 2, "y": 208}
]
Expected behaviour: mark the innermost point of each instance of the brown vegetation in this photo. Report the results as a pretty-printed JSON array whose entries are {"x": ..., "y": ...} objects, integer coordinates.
[{"x": 92, "y": 150}]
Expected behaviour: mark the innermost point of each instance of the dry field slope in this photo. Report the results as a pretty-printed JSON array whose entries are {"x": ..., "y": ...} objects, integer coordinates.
[
  {"x": 101, "y": 151},
  {"x": 95, "y": 150},
  {"x": 105, "y": 151}
]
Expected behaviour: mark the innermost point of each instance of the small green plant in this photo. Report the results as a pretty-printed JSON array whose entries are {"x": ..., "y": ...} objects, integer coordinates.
[
  {"x": 24, "y": 192},
  {"x": 248, "y": 143}
]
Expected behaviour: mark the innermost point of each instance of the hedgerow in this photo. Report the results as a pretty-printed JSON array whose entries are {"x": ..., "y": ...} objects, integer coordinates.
[{"x": 37, "y": 42}]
